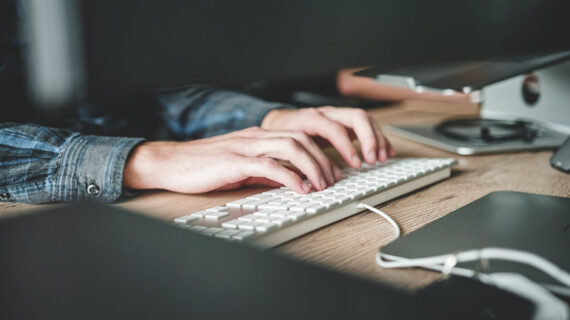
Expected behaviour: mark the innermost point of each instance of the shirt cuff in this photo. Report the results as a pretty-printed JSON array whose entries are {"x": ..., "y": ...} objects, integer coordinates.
[{"x": 91, "y": 167}]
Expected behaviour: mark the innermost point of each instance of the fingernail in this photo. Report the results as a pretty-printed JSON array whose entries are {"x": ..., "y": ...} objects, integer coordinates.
[
  {"x": 371, "y": 156},
  {"x": 355, "y": 160},
  {"x": 383, "y": 155},
  {"x": 323, "y": 183},
  {"x": 329, "y": 178},
  {"x": 305, "y": 187}
]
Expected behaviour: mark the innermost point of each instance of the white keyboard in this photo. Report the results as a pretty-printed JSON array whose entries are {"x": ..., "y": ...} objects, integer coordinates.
[{"x": 273, "y": 217}]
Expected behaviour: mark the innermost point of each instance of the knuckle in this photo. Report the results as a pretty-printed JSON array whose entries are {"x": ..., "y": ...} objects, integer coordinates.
[
  {"x": 230, "y": 158},
  {"x": 268, "y": 163},
  {"x": 326, "y": 108},
  {"x": 311, "y": 111},
  {"x": 360, "y": 113},
  {"x": 254, "y": 129},
  {"x": 337, "y": 129},
  {"x": 290, "y": 143},
  {"x": 302, "y": 137}
]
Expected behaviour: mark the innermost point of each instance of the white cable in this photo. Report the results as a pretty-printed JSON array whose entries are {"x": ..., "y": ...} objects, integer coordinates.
[
  {"x": 447, "y": 262},
  {"x": 437, "y": 262},
  {"x": 383, "y": 215}
]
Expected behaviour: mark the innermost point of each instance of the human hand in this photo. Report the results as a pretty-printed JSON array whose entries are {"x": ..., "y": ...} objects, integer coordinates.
[
  {"x": 230, "y": 161},
  {"x": 338, "y": 126}
]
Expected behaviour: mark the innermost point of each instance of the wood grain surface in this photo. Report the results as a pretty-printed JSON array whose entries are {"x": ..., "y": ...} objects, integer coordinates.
[{"x": 350, "y": 245}]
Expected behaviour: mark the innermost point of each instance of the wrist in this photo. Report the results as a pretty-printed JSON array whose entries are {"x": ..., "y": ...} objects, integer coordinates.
[
  {"x": 272, "y": 118},
  {"x": 143, "y": 165}
]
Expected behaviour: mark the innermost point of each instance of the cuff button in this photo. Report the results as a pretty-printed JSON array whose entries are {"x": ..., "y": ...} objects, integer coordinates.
[
  {"x": 4, "y": 196},
  {"x": 93, "y": 190}
]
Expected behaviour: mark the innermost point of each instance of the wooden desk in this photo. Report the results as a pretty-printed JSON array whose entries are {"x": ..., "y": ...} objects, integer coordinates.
[{"x": 350, "y": 245}]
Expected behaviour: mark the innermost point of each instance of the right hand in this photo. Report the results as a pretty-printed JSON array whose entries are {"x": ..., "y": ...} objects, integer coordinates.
[{"x": 230, "y": 161}]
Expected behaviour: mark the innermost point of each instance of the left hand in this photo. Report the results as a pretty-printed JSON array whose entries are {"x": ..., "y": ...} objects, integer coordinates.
[{"x": 338, "y": 126}]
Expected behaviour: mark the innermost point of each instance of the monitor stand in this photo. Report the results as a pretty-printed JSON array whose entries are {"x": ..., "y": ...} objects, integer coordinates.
[
  {"x": 427, "y": 134},
  {"x": 539, "y": 97}
]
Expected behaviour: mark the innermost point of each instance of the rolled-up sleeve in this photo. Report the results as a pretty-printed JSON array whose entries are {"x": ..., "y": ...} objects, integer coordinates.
[
  {"x": 41, "y": 164},
  {"x": 200, "y": 111}
]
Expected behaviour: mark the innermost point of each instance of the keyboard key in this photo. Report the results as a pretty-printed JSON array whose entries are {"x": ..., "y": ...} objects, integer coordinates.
[
  {"x": 248, "y": 217},
  {"x": 280, "y": 214},
  {"x": 259, "y": 196},
  {"x": 315, "y": 209},
  {"x": 301, "y": 206},
  {"x": 282, "y": 206},
  {"x": 216, "y": 215},
  {"x": 296, "y": 215},
  {"x": 274, "y": 192},
  {"x": 342, "y": 197},
  {"x": 244, "y": 234},
  {"x": 282, "y": 221},
  {"x": 250, "y": 225},
  {"x": 199, "y": 214},
  {"x": 263, "y": 219},
  {"x": 185, "y": 219},
  {"x": 198, "y": 228},
  {"x": 211, "y": 231},
  {"x": 227, "y": 234},
  {"x": 266, "y": 227},
  {"x": 355, "y": 194},
  {"x": 218, "y": 209},
  {"x": 232, "y": 224},
  {"x": 238, "y": 203},
  {"x": 258, "y": 203},
  {"x": 263, "y": 213}
]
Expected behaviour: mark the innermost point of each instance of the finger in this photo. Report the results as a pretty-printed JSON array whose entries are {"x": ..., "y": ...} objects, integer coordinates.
[
  {"x": 262, "y": 181},
  {"x": 336, "y": 172},
  {"x": 390, "y": 152},
  {"x": 361, "y": 124},
  {"x": 382, "y": 144},
  {"x": 337, "y": 135},
  {"x": 324, "y": 162},
  {"x": 272, "y": 170},
  {"x": 284, "y": 148}
]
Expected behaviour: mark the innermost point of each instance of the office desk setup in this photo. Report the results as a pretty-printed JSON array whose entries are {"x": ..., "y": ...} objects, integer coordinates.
[{"x": 350, "y": 245}]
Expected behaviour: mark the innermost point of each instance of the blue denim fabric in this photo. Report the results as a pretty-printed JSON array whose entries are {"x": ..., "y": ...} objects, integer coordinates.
[{"x": 40, "y": 164}]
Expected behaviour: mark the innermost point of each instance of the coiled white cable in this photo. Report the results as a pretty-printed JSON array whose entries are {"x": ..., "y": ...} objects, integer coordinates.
[{"x": 438, "y": 262}]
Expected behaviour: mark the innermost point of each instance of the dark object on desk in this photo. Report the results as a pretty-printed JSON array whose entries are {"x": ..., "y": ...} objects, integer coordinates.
[
  {"x": 487, "y": 131},
  {"x": 482, "y": 136},
  {"x": 561, "y": 158},
  {"x": 483, "y": 301},
  {"x": 506, "y": 219},
  {"x": 96, "y": 262}
]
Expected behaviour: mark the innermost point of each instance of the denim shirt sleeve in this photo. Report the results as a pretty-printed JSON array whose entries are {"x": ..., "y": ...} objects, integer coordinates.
[
  {"x": 201, "y": 111},
  {"x": 41, "y": 164}
]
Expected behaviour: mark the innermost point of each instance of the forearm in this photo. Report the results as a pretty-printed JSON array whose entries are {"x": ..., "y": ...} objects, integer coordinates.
[{"x": 40, "y": 164}]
